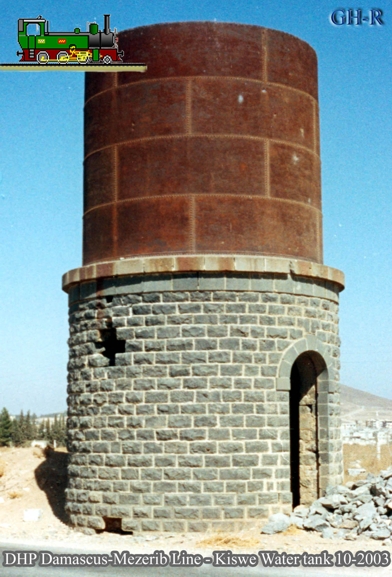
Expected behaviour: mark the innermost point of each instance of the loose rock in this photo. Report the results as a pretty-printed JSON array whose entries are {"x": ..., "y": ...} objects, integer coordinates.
[
  {"x": 276, "y": 524},
  {"x": 362, "y": 507}
]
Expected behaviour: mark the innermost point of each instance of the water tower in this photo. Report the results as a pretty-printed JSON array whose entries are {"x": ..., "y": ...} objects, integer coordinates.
[{"x": 204, "y": 348}]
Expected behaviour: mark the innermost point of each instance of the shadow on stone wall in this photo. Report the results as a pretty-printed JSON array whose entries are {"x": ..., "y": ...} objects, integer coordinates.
[{"x": 51, "y": 477}]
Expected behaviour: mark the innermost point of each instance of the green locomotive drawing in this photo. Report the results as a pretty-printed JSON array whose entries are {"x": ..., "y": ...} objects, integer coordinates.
[{"x": 40, "y": 45}]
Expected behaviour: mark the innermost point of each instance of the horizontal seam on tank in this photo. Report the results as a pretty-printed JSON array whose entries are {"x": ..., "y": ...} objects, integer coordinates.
[
  {"x": 228, "y": 254},
  {"x": 200, "y": 194},
  {"x": 171, "y": 78},
  {"x": 136, "y": 141}
]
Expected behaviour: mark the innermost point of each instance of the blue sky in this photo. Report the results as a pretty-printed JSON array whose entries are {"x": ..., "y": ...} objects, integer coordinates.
[{"x": 41, "y": 129}]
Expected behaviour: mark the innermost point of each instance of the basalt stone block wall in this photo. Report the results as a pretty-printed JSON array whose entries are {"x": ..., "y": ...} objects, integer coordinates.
[
  {"x": 204, "y": 348},
  {"x": 188, "y": 428}
]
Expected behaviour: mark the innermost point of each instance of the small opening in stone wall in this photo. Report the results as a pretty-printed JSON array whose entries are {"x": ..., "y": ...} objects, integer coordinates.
[
  {"x": 113, "y": 525},
  {"x": 109, "y": 299},
  {"x": 111, "y": 345}
]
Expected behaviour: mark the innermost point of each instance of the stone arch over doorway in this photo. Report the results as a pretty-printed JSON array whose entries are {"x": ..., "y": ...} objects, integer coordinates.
[{"x": 306, "y": 372}]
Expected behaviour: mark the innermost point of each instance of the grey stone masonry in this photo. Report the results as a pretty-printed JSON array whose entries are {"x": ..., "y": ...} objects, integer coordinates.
[{"x": 177, "y": 420}]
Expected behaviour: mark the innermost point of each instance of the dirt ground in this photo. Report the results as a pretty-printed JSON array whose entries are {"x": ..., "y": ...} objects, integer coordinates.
[{"x": 29, "y": 480}]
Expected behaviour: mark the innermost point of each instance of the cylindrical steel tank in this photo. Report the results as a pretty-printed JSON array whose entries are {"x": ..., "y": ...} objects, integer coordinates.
[{"x": 214, "y": 150}]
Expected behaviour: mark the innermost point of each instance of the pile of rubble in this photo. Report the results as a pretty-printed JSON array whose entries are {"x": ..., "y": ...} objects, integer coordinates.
[{"x": 359, "y": 508}]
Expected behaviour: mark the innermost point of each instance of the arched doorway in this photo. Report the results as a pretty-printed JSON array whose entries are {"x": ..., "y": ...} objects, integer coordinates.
[
  {"x": 329, "y": 455},
  {"x": 304, "y": 427}
]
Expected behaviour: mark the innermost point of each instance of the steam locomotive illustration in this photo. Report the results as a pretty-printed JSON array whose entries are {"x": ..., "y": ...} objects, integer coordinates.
[{"x": 40, "y": 45}]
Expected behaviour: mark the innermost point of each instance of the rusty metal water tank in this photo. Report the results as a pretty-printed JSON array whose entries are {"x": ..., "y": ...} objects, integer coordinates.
[{"x": 215, "y": 150}]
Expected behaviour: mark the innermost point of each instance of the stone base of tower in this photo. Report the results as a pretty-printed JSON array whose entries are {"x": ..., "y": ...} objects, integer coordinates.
[{"x": 185, "y": 411}]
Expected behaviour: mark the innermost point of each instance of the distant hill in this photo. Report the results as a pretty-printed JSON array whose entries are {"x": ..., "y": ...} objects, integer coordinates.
[{"x": 360, "y": 406}]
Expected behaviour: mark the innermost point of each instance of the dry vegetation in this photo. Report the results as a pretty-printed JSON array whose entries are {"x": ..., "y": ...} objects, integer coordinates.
[
  {"x": 15, "y": 494},
  {"x": 242, "y": 542},
  {"x": 229, "y": 541},
  {"x": 365, "y": 456}
]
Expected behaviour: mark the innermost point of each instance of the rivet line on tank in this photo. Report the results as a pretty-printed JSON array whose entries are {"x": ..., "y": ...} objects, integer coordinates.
[
  {"x": 314, "y": 127},
  {"x": 267, "y": 168},
  {"x": 136, "y": 141},
  {"x": 319, "y": 237},
  {"x": 188, "y": 107},
  {"x": 199, "y": 195},
  {"x": 192, "y": 222},
  {"x": 115, "y": 214},
  {"x": 264, "y": 56},
  {"x": 317, "y": 144},
  {"x": 209, "y": 77}
]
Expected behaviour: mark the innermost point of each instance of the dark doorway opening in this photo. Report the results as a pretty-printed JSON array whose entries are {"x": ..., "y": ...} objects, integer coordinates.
[
  {"x": 304, "y": 446},
  {"x": 294, "y": 433}
]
